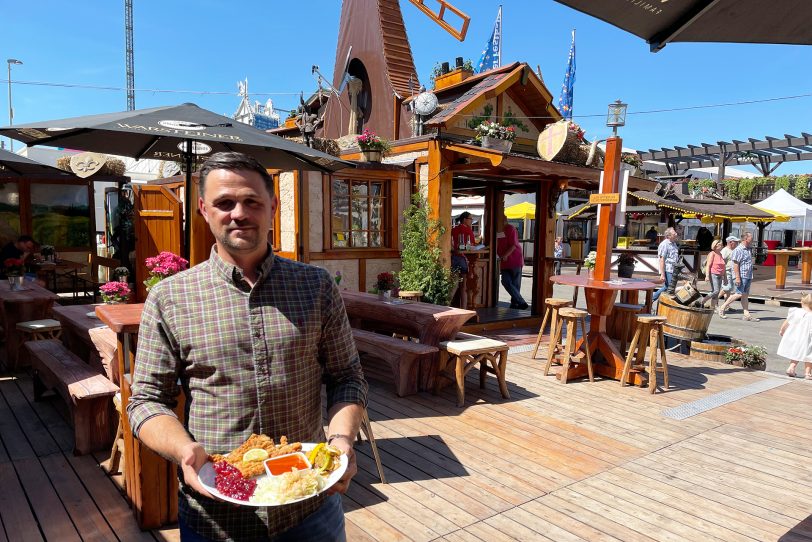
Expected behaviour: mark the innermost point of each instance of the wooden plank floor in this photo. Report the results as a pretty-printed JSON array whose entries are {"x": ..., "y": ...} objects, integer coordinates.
[{"x": 582, "y": 461}]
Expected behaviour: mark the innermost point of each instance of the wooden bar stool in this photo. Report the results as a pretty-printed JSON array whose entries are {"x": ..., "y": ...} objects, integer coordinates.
[
  {"x": 366, "y": 429},
  {"x": 414, "y": 295},
  {"x": 624, "y": 318},
  {"x": 571, "y": 317},
  {"x": 551, "y": 312},
  {"x": 648, "y": 335},
  {"x": 118, "y": 441},
  {"x": 38, "y": 330},
  {"x": 459, "y": 356}
]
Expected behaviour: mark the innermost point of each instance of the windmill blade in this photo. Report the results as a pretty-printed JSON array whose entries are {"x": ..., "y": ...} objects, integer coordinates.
[{"x": 438, "y": 17}]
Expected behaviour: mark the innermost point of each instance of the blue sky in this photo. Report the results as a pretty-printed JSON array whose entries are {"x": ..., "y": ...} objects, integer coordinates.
[{"x": 274, "y": 44}]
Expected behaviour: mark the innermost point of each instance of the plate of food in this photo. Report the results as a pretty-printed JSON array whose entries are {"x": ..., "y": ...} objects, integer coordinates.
[{"x": 262, "y": 473}]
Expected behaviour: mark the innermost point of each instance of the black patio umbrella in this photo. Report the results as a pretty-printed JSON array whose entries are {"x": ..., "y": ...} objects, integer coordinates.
[
  {"x": 174, "y": 133},
  {"x": 729, "y": 21},
  {"x": 14, "y": 165}
]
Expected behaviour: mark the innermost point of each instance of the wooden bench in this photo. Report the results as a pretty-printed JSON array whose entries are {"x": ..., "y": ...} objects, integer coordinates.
[
  {"x": 403, "y": 357},
  {"x": 87, "y": 393}
]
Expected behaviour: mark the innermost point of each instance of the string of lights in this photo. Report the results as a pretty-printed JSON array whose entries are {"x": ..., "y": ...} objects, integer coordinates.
[{"x": 236, "y": 94}]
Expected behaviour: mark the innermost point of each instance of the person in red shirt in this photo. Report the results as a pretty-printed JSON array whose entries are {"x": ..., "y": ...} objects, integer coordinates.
[
  {"x": 509, "y": 251},
  {"x": 461, "y": 234}
]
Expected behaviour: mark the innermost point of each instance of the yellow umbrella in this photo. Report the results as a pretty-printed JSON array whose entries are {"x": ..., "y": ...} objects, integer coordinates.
[{"x": 521, "y": 210}]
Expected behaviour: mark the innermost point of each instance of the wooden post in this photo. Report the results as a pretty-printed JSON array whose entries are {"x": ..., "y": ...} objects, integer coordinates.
[
  {"x": 439, "y": 195},
  {"x": 606, "y": 229}
]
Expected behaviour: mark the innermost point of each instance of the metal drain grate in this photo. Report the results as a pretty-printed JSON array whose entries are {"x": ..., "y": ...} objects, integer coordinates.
[{"x": 718, "y": 399}]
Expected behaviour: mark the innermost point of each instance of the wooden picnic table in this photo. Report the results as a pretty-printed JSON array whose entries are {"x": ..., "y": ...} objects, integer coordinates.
[
  {"x": 33, "y": 302},
  {"x": 600, "y": 297},
  {"x": 152, "y": 481},
  {"x": 89, "y": 338},
  {"x": 429, "y": 323}
]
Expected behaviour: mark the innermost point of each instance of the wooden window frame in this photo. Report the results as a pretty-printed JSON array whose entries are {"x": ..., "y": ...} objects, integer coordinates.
[{"x": 389, "y": 178}]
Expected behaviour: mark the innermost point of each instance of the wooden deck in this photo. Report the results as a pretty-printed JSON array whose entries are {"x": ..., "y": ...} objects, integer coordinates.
[{"x": 582, "y": 461}]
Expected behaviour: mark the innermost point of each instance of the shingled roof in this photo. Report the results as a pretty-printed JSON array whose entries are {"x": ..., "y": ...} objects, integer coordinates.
[{"x": 399, "y": 62}]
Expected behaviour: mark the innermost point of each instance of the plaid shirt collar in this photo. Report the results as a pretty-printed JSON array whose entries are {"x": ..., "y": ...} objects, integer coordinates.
[{"x": 232, "y": 273}]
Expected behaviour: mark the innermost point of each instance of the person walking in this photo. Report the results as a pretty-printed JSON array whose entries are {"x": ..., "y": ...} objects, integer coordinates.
[
  {"x": 796, "y": 337},
  {"x": 668, "y": 255},
  {"x": 250, "y": 338},
  {"x": 730, "y": 288},
  {"x": 715, "y": 273},
  {"x": 558, "y": 252},
  {"x": 742, "y": 276},
  {"x": 511, "y": 262}
]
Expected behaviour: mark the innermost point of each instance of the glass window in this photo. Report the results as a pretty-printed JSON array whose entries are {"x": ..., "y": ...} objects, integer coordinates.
[
  {"x": 358, "y": 213},
  {"x": 9, "y": 212},
  {"x": 60, "y": 214}
]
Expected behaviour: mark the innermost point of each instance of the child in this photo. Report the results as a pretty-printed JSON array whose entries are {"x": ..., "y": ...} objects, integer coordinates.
[{"x": 796, "y": 337}]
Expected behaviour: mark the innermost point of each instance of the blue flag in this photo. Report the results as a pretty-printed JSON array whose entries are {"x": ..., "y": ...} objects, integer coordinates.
[
  {"x": 568, "y": 88},
  {"x": 492, "y": 55}
]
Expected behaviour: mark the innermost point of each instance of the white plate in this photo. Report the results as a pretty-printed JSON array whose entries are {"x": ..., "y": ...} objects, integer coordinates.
[
  {"x": 92, "y": 314},
  {"x": 207, "y": 474}
]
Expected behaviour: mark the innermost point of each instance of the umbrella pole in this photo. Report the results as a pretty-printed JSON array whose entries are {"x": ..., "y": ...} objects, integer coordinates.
[{"x": 187, "y": 219}]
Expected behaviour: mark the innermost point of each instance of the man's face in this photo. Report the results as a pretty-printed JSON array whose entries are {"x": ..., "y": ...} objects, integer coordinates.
[
  {"x": 468, "y": 221},
  {"x": 747, "y": 240},
  {"x": 673, "y": 236},
  {"x": 239, "y": 211}
]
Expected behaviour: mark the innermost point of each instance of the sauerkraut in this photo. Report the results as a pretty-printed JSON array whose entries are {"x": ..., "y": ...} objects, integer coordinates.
[{"x": 287, "y": 487}]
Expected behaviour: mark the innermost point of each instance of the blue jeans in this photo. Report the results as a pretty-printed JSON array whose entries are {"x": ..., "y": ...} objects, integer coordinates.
[
  {"x": 324, "y": 525},
  {"x": 663, "y": 288},
  {"x": 512, "y": 281}
]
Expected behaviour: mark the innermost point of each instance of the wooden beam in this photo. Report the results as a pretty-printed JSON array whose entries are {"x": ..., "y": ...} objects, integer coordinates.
[{"x": 439, "y": 195}]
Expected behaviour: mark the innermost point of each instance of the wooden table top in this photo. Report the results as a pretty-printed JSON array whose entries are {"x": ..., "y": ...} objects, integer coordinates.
[
  {"x": 585, "y": 281},
  {"x": 30, "y": 292},
  {"x": 787, "y": 251},
  {"x": 61, "y": 264},
  {"x": 121, "y": 317}
]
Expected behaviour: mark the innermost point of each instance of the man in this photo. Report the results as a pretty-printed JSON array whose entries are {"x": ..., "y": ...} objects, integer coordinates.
[
  {"x": 651, "y": 235},
  {"x": 668, "y": 255},
  {"x": 742, "y": 261},
  {"x": 462, "y": 235},
  {"x": 249, "y": 337},
  {"x": 558, "y": 252},
  {"x": 730, "y": 287},
  {"x": 20, "y": 249},
  {"x": 511, "y": 262}
]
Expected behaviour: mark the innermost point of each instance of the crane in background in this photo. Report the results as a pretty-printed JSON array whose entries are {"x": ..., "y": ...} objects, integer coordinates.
[{"x": 128, "y": 53}]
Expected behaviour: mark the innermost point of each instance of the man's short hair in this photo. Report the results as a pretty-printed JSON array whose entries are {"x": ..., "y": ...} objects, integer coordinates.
[
  {"x": 670, "y": 231},
  {"x": 747, "y": 235},
  {"x": 234, "y": 161}
]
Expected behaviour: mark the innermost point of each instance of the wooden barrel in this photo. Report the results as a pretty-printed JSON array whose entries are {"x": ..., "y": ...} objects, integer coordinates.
[
  {"x": 713, "y": 348},
  {"x": 687, "y": 323}
]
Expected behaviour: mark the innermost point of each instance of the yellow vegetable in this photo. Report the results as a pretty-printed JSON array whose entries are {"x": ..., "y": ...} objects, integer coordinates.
[{"x": 323, "y": 457}]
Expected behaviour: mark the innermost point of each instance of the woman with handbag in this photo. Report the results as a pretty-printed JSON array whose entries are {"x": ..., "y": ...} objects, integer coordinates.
[{"x": 715, "y": 272}]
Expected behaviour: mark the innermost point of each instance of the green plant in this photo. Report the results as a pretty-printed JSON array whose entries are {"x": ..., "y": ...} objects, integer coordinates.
[
  {"x": 467, "y": 66},
  {"x": 746, "y": 355},
  {"x": 784, "y": 181},
  {"x": 421, "y": 259},
  {"x": 492, "y": 129},
  {"x": 589, "y": 261},
  {"x": 120, "y": 274},
  {"x": 487, "y": 111},
  {"x": 801, "y": 188},
  {"x": 634, "y": 159},
  {"x": 731, "y": 188},
  {"x": 626, "y": 259}
]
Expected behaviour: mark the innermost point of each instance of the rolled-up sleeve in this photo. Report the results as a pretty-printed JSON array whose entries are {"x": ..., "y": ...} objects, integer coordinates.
[
  {"x": 343, "y": 376},
  {"x": 155, "y": 381}
]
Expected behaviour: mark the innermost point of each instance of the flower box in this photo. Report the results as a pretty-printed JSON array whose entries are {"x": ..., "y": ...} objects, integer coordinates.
[
  {"x": 290, "y": 122},
  {"x": 501, "y": 145},
  {"x": 451, "y": 78}
]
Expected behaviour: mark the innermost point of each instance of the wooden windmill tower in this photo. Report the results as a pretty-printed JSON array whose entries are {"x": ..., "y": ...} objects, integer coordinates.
[{"x": 374, "y": 68}]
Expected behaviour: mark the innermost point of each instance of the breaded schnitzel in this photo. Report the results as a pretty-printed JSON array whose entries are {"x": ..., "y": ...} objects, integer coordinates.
[{"x": 249, "y": 469}]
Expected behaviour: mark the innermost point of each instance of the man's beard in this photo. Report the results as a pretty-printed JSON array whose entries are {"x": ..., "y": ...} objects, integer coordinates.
[{"x": 239, "y": 244}]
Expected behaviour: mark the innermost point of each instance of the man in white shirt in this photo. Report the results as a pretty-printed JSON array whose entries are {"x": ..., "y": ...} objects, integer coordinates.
[{"x": 729, "y": 288}]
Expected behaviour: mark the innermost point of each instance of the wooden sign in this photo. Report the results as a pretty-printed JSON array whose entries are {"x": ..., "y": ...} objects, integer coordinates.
[
  {"x": 87, "y": 163},
  {"x": 604, "y": 198},
  {"x": 551, "y": 140}
]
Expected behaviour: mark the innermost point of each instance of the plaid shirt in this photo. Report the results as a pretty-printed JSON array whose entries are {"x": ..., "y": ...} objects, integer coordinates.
[
  {"x": 670, "y": 252},
  {"x": 250, "y": 360},
  {"x": 741, "y": 254}
]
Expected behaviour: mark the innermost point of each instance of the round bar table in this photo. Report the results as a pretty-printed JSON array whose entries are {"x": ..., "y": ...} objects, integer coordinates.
[
  {"x": 600, "y": 297},
  {"x": 781, "y": 264},
  {"x": 806, "y": 264}
]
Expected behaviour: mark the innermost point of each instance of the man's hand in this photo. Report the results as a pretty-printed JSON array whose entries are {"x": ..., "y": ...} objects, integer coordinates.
[
  {"x": 345, "y": 445},
  {"x": 192, "y": 458}
]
